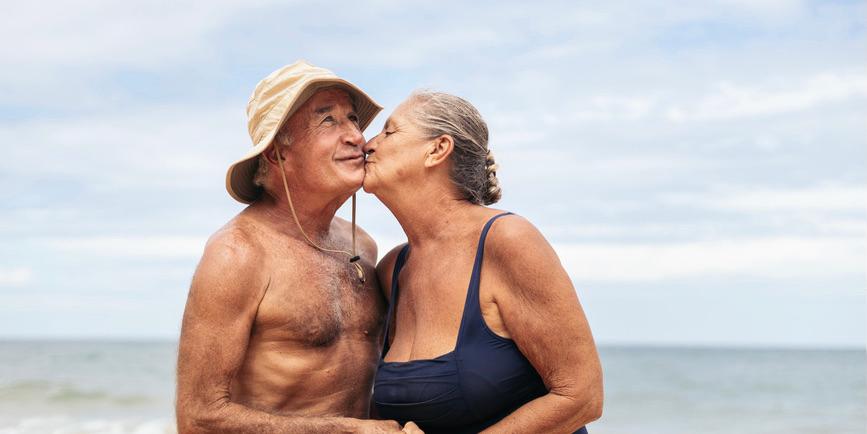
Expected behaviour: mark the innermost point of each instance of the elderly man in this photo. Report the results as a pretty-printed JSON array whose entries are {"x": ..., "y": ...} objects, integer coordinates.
[{"x": 283, "y": 322}]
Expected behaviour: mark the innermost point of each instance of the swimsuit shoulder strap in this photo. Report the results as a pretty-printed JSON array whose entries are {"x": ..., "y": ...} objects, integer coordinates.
[
  {"x": 472, "y": 308},
  {"x": 398, "y": 265}
]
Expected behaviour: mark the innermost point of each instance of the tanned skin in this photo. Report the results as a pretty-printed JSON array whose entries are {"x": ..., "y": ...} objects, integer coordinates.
[
  {"x": 278, "y": 336},
  {"x": 524, "y": 293}
]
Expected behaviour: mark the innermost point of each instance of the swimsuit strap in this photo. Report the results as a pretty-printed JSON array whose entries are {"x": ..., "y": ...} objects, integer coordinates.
[
  {"x": 471, "y": 305},
  {"x": 398, "y": 265}
]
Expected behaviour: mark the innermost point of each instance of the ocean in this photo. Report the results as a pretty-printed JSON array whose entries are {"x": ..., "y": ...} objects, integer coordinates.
[{"x": 68, "y": 387}]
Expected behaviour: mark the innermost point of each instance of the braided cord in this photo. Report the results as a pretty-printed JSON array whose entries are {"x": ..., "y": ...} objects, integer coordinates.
[{"x": 353, "y": 256}]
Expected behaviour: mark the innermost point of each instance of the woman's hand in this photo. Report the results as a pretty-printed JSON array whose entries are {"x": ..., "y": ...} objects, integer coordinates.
[
  {"x": 412, "y": 428},
  {"x": 379, "y": 427}
]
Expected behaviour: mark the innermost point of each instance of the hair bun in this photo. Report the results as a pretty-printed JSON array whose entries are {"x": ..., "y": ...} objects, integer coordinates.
[{"x": 492, "y": 184}]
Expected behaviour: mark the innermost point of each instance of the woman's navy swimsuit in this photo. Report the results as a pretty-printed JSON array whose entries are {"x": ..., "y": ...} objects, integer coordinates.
[{"x": 483, "y": 380}]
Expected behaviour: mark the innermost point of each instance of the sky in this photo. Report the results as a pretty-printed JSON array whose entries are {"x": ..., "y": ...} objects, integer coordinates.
[{"x": 698, "y": 166}]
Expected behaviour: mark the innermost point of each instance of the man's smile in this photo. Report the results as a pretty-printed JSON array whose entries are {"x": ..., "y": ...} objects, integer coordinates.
[{"x": 353, "y": 158}]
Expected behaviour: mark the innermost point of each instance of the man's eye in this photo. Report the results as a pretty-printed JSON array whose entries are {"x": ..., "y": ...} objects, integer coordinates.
[
  {"x": 388, "y": 133},
  {"x": 354, "y": 118},
  {"x": 328, "y": 119}
]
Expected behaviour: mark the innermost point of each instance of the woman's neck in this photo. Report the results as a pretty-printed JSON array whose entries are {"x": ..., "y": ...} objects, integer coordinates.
[{"x": 428, "y": 214}]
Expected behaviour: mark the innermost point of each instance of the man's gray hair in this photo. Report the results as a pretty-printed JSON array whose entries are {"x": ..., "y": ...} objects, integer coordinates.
[{"x": 474, "y": 171}]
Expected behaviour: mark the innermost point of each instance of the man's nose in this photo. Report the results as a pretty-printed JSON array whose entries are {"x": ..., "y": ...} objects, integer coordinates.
[{"x": 353, "y": 136}]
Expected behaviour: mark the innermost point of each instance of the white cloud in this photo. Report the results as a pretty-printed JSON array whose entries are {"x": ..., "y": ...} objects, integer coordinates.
[
  {"x": 855, "y": 228},
  {"x": 830, "y": 210},
  {"x": 822, "y": 198},
  {"x": 731, "y": 100},
  {"x": 604, "y": 108},
  {"x": 15, "y": 276},
  {"x": 99, "y": 33},
  {"x": 772, "y": 10},
  {"x": 130, "y": 246},
  {"x": 578, "y": 97},
  {"x": 564, "y": 169},
  {"x": 631, "y": 230},
  {"x": 781, "y": 257},
  {"x": 64, "y": 51},
  {"x": 165, "y": 146},
  {"x": 842, "y": 198}
]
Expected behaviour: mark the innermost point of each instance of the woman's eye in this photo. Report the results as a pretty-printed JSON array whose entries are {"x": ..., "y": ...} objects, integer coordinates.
[
  {"x": 354, "y": 118},
  {"x": 388, "y": 133}
]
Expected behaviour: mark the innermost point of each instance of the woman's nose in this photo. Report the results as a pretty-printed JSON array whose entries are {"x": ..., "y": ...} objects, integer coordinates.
[{"x": 370, "y": 146}]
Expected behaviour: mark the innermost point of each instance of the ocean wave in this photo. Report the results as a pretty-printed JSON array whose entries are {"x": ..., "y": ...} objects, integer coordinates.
[
  {"x": 66, "y": 393},
  {"x": 66, "y": 425}
]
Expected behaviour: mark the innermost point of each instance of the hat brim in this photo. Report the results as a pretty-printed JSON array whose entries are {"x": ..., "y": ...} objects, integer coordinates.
[{"x": 239, "y": 177}]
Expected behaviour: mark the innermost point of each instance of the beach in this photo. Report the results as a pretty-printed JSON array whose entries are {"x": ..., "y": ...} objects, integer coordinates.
[{"x": 128, "y": 387}]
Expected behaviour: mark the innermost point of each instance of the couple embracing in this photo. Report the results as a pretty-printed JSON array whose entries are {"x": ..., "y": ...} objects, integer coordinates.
[{"x": 291, "y": 326}]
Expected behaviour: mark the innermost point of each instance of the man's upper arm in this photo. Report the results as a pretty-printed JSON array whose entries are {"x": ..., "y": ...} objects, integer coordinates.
[
  {"x": 221, "y": 306},
  {"x": 368, "y": 245}
]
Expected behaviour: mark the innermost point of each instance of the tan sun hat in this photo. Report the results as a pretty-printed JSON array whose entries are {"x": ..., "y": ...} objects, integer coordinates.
[{"x": 274, "y": 100}]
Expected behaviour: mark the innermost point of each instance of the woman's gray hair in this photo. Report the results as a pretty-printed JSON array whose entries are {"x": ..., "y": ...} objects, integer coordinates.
[{"x": 474, "y": 171}]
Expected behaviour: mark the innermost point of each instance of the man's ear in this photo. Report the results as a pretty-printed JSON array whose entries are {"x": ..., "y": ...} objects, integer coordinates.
[
  {"x": 271, "y": 153},
  {"x": 439, "y": 150}
]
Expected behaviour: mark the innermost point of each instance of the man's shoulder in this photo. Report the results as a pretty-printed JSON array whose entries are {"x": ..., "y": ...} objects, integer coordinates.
[
  {"x": 236, "y": 243},
  {"x": 230, "y": 271},
  {"x": 364, "y": 240}
]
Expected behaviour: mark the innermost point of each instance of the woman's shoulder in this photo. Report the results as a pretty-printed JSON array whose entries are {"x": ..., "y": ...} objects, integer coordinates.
[
  {"x": 513, "y": 232},
  {"x": 515, "y": 246}
]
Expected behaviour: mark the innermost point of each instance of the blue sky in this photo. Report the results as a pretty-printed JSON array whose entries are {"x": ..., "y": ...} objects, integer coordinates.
[{"x": 699, "y": 167}]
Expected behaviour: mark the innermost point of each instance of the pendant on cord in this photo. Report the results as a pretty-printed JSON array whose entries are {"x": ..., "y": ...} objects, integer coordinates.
[{"x": 360, "y": 271}]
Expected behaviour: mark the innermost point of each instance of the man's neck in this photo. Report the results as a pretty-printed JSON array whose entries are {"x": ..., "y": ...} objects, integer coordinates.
[{"x": 315, "y": 213}]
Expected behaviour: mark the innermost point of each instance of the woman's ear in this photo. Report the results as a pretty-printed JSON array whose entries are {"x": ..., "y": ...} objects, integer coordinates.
[{"x": 439, "y": 150}]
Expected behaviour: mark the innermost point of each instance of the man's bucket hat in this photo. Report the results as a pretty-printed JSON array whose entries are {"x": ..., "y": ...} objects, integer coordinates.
[{"x": 274, "y": 100}]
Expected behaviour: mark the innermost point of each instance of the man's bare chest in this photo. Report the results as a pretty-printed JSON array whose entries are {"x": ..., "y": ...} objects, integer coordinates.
[{"x": 317, "y": 302}]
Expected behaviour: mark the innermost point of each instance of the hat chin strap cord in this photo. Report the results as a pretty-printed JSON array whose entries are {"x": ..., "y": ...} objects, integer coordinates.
[{"x": 353, "y": 256}]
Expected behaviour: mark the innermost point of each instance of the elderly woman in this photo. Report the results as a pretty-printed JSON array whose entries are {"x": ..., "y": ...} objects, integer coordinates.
[{"x": 503, "y": 347}]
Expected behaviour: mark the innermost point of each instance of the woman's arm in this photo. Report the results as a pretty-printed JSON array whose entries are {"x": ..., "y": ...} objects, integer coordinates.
[{"x": 541, "y": 312}]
